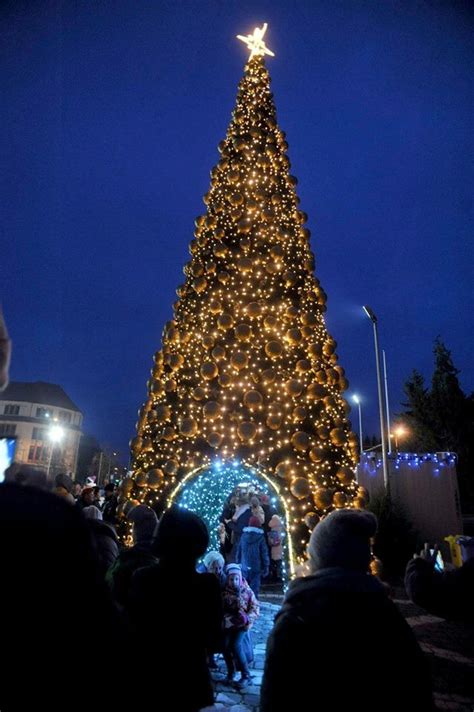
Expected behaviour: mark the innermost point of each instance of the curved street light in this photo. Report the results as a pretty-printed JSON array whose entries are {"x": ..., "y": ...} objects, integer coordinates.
[{"x": 383, "y": 432}]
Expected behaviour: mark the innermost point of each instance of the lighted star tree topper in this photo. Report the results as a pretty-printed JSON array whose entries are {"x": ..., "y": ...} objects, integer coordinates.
[{"x": 247, "y": 369}]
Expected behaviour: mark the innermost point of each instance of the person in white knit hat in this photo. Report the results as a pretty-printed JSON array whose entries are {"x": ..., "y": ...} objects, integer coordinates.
[{"x": 338, "y": 638}]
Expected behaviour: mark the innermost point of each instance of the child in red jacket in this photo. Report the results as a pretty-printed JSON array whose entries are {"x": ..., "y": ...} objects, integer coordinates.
[{"x": 241, "y": 610}]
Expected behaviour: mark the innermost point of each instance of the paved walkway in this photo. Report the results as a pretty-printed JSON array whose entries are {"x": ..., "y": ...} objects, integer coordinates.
[
  {"x": 228, "y": 698},
  {"x": 449, "y": 648}
]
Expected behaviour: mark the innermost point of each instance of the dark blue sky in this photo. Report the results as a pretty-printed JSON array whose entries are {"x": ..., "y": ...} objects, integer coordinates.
[{"x": 110, "y": 118}]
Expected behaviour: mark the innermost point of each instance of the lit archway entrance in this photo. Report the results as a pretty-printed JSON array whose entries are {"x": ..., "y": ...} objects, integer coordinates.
[{"x": 205, "y": 491}]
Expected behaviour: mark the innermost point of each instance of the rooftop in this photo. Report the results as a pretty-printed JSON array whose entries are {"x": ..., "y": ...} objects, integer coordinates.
[{"x": 38, "y": 392}]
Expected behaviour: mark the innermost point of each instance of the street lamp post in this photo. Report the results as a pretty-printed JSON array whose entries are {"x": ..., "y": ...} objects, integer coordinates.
[
  {"x": 55, "y": 434},
  {"x": 356, "y": 399},
  {"x": 398, "y": 432},
  {"x": 383, "y": 433},
  {"x": 387, "y": 411}
]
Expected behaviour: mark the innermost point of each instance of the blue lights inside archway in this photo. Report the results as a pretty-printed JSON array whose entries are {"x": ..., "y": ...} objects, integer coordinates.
[{"x": 206, "y": 493}]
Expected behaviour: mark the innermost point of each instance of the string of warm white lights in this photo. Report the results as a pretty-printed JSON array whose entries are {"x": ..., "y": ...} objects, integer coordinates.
[{"x": 247, "y": 369}]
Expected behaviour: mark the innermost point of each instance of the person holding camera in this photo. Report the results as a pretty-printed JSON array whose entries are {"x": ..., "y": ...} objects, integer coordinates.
[{"x": 447, "y": 594}]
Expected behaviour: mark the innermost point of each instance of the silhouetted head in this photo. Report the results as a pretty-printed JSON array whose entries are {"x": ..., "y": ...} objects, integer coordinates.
[
  {"x": 144, "y": 523},
  {"x": 181, "y": 536},
  {"x": 342, "y": 539}
]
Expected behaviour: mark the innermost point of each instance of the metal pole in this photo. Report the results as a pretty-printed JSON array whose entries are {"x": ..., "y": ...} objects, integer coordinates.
[
  {"x": 386, "y": 402},
  {"x": 100, "y": 468},
  {"x": 381, "y": 409},
  {"x": 360, "y": 429}
]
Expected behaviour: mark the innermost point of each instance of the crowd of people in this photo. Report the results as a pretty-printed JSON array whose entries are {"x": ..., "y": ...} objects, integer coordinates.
[
  {"x": 166, "y": 606},
  {"x": 251, "y": 534}
]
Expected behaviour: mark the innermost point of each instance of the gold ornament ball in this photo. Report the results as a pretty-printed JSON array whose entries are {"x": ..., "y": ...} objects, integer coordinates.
[
  {"x": 239, "y": 360},
  {"x": 170, "y": 385},
  {"x": 188, "y": 427},
  {"x": 316, "y": 454},
  {"x": 168, "y": 433},
  {"x": 199, "y": 284},
  {"x": 209, "y": 370},
  {"x": 309, "y": 319},
  {"x": 300, "y": 488},
  {"x": 311, "y": 519},
  {"x": 155, "y": 478},
  {"x": 199, "y": 393},
  {"x": 293, "y": 387},
  {"x": 294, "y": 336},
  {"x": 223, "y": 277},
  {"x": 322, "y": 498},
  {"x": 299, "y": 413},
  {"x": 243, "y": 332},
  {"x": 337, "y": 436},
  {"x": 291, "y": 313},
  {"x": 215, "y": 307},
  {"x": 224, "y": 380},
  {"x": 273, "y": 421},
  {"x": 315, "y": 350},
  {"x": 253, "y": 399},
  {"x": 254, "y": 309},
  {"x": 273, "y": 349},
  {"x": 270, "y": 322},
  {"x": 300, "y": 441},
  {"x": 244, "y": 264},
  {"x": 340, "y": 500},
  {"x": 316, "y": 391},
  {"x": 215, "y": 439},
  {"x": 322, "y": 432},
  {"x": 176, "y": 361},
  {"x": 303, "y": 365},
  {"x": 163, "y": 412},
  {"x": 345, "y": 475},
  {"x": 283, "y": 470},
  {"x": 218, "y": 353},
  {"x": 211, "y": 410},
  {"x": 171, "y": 467},
  {"x": 225, "y": 321},
  {"x": 268, "y": 376},
  {"x": 246, "y": 431},
  {"x": 141, "y": 480}
]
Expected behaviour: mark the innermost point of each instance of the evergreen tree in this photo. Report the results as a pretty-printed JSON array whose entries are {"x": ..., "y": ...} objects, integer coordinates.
[
  {"x": 442, "y": 418},
  {"x": 247, "y": 369}
]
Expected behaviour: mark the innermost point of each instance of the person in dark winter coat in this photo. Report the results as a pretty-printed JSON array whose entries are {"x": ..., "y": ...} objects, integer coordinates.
[
  {"x": 240, "y": 519},
  {"x": 252, "y": 554},
  {"x": 339, "y": 636},
  {"x": 120, "y": 574},
  {"x": 448, "y": 594},
  {"x": 49, "y": 570},
  {"x": 86, "y": 498},
  {"x": 109, "y": 507},
  {"x": 104, "y": 538},
  {"x": 63, "y": 487},
  {"x": 179, "y": 611}
]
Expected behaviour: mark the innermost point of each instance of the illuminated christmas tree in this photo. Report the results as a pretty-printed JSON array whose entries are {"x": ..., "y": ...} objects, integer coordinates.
[{"x": 247, "y": 375}]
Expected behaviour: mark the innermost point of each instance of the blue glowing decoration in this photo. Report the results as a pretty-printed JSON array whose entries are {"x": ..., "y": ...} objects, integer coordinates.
[{"x": 206, "y": 493}]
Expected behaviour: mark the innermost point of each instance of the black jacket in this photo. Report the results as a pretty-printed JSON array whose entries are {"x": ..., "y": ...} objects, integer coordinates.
[
  {"x": 177, "y": 615},
  {"x": 339, "y": 643},
  {"x": 449, "y": 594}
]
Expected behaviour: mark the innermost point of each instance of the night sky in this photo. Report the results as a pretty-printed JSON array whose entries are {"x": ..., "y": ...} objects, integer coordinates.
[{"x": 110, "y": 117}]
